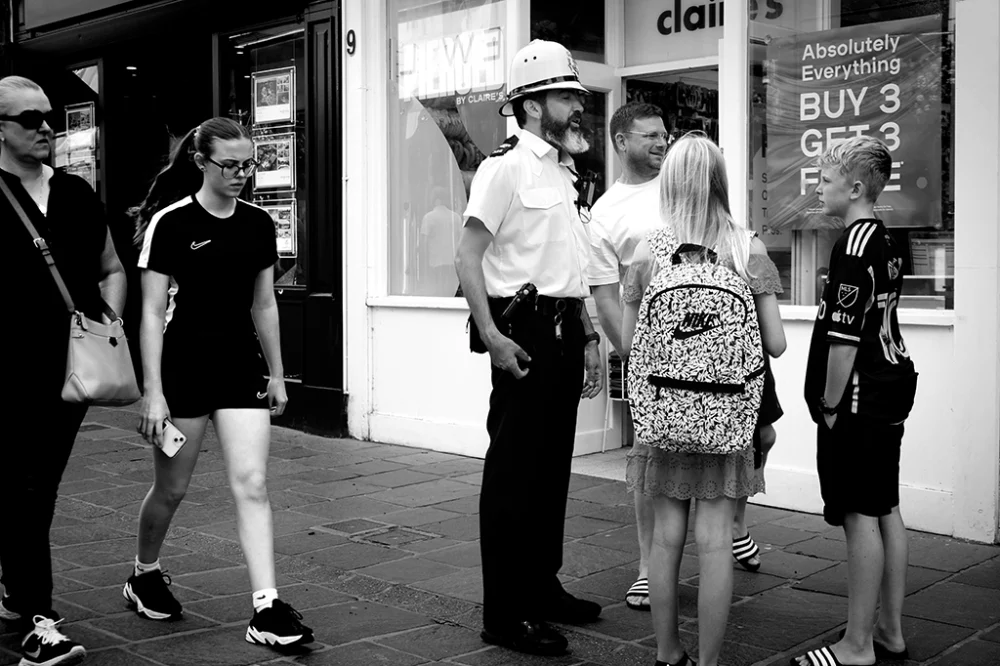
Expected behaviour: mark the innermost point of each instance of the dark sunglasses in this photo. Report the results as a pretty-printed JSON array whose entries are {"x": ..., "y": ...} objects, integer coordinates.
[
  {"x": 230, "y": 170},
  {"x": 31, "y": 119}
]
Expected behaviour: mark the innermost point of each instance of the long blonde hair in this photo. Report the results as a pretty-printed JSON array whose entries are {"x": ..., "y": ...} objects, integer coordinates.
[{"x": 694, "y": 201}]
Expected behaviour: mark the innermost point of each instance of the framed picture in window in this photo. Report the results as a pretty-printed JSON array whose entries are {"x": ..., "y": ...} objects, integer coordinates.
[
  {"x": 274, "y": 96},
  {"x": 285, "y": 226},
  {"x": 275, "y": 155},
  {"x": 80, "y": 129}
]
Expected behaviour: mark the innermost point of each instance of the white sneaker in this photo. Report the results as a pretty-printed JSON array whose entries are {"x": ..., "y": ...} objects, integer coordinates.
[{"x": 47, "y": 646}]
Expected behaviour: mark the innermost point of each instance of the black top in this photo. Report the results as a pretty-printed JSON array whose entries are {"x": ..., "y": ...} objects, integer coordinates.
[
  {"x": 213, "y": 264},
  {"x": 859, "y": 308},
  {"x": 75, "y": 229}
]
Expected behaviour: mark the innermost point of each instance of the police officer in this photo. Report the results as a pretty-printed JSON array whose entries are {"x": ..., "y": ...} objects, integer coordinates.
[{"x": 524, "y": 234}]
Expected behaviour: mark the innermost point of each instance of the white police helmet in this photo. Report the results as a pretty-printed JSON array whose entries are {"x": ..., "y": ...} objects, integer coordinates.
[{"x": 541, "y": 65}]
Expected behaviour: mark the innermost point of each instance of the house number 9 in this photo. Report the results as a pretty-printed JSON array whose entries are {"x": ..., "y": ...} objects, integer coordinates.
[{"x": 352, "y": 42}]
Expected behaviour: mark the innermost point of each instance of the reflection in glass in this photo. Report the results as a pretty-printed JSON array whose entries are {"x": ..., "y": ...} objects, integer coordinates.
[
  {"x": 579, "y": 26},
  {"x": 444, "y": 96},
  {"x": 819, "y": 75}
]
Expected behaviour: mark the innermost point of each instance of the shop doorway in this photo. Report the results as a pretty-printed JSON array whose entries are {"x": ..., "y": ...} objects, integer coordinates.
[{"x": 689, "y": 99}]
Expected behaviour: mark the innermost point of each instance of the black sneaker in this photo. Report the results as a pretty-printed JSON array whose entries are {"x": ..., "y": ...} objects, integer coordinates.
[
  {"x": 7, "y": 610},
  {"x": 278, "y": 626},
  {"x": 149, "y": 595},
  {"x": 47, "y": 646}
]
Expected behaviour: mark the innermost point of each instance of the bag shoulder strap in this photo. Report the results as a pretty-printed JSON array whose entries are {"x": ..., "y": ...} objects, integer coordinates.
[
  {"x": 40, "y": 244},
  {"x": 661, "y": 246}
]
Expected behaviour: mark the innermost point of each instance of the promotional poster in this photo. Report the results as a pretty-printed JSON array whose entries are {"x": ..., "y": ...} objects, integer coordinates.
[{"x": 879, "y": 79}]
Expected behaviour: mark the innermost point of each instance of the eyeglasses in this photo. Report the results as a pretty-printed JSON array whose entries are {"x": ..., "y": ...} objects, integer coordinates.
[
  {"x": 32, "y": 119},
  {"x": 651, "y": 136},
  {"x": 231, "y": 170}
]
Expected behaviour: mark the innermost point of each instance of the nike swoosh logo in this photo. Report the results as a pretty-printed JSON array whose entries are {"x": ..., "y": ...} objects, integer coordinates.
[
  {"x": 195, "y": 246},
  {"x": 35, "y": 654},
  {"x": 261, "y": 396},
  {"x": 684, "y": 335}
]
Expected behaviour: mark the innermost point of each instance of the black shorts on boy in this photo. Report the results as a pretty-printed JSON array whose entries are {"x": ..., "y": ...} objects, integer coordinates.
[{"x": 858, "y": 459}]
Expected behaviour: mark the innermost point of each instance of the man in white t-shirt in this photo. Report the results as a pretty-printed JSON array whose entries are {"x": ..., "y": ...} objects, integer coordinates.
[{"x": 622, "y": 217}]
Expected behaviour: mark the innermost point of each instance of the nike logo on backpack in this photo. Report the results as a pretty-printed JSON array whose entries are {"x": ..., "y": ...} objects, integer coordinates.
[
  {"x": 195, "y": 246},
  {"x": 696, "y": 323}
]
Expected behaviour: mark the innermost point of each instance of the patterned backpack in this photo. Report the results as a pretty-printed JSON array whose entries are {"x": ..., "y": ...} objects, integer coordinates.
[{"x": 696, "y": 369}]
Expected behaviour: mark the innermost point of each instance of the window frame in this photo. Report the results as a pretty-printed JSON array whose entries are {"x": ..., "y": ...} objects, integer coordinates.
[{"x": 734, "y": 135}]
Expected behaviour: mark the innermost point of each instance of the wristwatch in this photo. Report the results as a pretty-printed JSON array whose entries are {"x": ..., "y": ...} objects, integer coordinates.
[
  {"x": 593, "y": 337},
  {"x": 826, "y": 408}
]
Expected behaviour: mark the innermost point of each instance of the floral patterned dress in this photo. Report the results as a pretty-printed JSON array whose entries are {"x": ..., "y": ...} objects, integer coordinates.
[{"x": 656, "y": 472}]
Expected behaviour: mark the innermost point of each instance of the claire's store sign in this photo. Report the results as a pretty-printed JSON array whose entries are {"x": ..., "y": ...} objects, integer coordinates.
[
  {"x": 662, "y": 30},
  {"x": 879, "y": 79}
]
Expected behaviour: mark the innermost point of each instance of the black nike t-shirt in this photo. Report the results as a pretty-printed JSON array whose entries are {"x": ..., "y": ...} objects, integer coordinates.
[
  {"x": 213, "y": 265},
  {"x": 859, "y": 308}
]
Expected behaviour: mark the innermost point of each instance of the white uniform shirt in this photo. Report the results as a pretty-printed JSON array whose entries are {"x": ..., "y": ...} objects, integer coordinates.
[
  {"x": 623, "y": 217},
  {"x": 527, "y": 200}
]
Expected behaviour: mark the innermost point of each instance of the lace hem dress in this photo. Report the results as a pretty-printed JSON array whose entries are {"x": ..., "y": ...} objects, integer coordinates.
[{"x": 656, "y": 472}]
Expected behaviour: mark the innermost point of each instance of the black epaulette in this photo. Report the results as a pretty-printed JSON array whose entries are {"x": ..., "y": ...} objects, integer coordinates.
[{"x": 505, "y": 147}]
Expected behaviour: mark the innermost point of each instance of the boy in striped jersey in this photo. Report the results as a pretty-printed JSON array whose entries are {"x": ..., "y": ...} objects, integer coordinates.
[{"x": 860, "y": 386}]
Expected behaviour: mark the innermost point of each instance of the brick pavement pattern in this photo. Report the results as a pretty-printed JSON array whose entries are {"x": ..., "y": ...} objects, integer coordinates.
[{"x": 377, "y": 546}]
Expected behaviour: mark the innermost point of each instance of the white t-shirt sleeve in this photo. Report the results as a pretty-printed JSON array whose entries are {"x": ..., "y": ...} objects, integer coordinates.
[
  {"x": 492, "y": 193},
  {"x": 603, "y": 267}
]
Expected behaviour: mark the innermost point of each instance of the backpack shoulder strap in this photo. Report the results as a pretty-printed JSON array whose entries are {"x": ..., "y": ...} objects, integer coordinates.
[{"x": 662, "y": 246}]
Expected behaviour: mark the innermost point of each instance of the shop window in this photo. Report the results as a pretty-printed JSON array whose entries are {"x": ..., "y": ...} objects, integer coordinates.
[
  {"x": 264, "y": 89},
  {"x": 820, "y": 75},
  {"x": 77, "y": 139},
  {"x": 579, "y": 26},
  {"x": 444, "y": 93},
  {"x": 689, "y": 101}
]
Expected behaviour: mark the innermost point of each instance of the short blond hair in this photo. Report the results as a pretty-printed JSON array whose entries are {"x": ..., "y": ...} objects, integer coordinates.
[
  {"x": 10, "y": 86},
  {"x": 863, "y": 158}
]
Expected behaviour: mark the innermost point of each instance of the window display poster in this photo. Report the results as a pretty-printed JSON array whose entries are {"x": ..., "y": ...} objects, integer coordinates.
[
  {"x": 274, "y": 95},
  {"x": 879, "y": 79},
  {"x": 84, "y": 167},
  {"x": 275, "y": 155},
  {"x": 80, "y": 134},
  {"x": 285, "y": 227}
]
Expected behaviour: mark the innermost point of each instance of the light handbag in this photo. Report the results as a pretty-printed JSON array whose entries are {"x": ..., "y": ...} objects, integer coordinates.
[{"x": 98, "y": 365}]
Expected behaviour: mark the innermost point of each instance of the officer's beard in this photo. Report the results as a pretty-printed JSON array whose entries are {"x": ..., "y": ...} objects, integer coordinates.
[{"x": 562, "y": 134}]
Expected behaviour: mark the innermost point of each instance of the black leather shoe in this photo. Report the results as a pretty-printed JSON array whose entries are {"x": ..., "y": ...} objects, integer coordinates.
[
  {"x": 567, "y": 609},
  {"x": 531, "y": 637}
]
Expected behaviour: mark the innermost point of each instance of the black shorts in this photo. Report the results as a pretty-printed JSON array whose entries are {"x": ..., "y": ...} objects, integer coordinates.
[
  {"x": 858, "y": 464},
  {"x": 198, "y": 379}
]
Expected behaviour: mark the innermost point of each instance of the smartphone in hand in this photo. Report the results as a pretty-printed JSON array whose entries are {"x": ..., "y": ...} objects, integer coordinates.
[{"x": 173, "y": 439}]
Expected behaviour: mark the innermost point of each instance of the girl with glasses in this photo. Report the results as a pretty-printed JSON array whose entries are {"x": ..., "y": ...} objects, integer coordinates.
[{"x": 207, "y": 283}]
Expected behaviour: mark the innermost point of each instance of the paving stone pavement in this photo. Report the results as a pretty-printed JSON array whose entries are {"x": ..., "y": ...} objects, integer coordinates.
[{"x": 377, "y": 545}]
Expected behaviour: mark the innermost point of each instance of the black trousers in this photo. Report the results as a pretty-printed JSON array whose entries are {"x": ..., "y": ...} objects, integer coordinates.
[
  {"x": 31, "y": 468},
  {"x": 522, "y": 508}
]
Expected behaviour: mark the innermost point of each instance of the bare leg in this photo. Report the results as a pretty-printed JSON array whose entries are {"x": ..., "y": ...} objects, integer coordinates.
[
  {"x": 669, "y": 535},
  {"x": 245, "y": 437},
  {"x": 171, "y": 477},
  {"x": 714, "y": 535},
  {"x": 864, "y": 576},
  {"x": 645, "y": 521},
  {"x": 740, "y": 529},
  {"x": 889, "y": 629}
]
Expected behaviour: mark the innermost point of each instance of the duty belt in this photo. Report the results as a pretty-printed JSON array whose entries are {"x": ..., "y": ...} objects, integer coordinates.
[{"x": 548, "y": 306}]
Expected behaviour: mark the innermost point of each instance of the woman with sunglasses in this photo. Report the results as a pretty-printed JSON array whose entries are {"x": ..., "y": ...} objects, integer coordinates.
[
  {"x": 207, "y": 281},
  {"x": 70, "y": 217}
]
